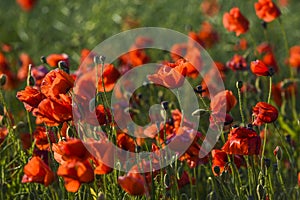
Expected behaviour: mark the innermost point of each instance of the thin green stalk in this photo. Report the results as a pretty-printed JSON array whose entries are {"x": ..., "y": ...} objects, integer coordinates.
[
  {"x": 266, "y": 126},
  {"x": 241, "y": 105}
]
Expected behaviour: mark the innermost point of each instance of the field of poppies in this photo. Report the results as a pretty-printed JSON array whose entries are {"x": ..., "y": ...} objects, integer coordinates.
[{"x": 195, "y": 100}]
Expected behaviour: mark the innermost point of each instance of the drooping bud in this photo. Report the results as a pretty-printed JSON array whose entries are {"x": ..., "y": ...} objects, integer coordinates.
[
  {"x": 278, "y": 153},
  {"x": 2, "y": 79},
  {"x": 165, "y": 105},
  {"x": 63, "y": 66},
  {"x": 43, "y": 60},
  {"x": 239, "y": 84}
]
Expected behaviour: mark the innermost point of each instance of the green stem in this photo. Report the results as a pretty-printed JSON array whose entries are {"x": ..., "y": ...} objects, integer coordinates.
[{"x": 241, "y": 106}]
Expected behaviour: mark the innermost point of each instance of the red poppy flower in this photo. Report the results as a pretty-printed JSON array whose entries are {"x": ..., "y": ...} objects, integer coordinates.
[
  {"x": 53, "y": 112},
  {"x": 74, "y": 173},
  {"x": 237, "y": 62},
  {"x": 71, "y": 149},
  {"x": 26, "y": 5},
  {"x": 294, "y": 59},
  {"x": 38, "y": 172},
  {"x": 223, "y": 99},
  {"x": 208, "y": 35},
  {"x": 103, "y": 116},
  {"x": 54, "y": 59},
  {"x": 41, "y": 138},
  {"x": 268, "y": 56},
  {"x": 133, "y": 184},
  {"x": 31, "y": 98},
  {"x": 220, "y": 160},
  {"x": 299, "y": 179},
  {"x": 136, "y": 183},
  {"x": 136, "y": 56},
  {"x": 264, "y": 113},
  {"x": 242, "y": 141},
  {"x": 3, "y": 134},
  {"x": 110, "y": 76},
  {"x": 26, "y": 140},
  {"x": 56, "y": 82},
  {"x": 125, "y": 142},
  {"x": 169, "y": 77},
  {"x": 210, "y": 7},
  {"x": 234, "y": 21},
  {"x": 259, "y": 68},
  {"x": 283, "y": 90},
  {"x": 102, "y": 155},
  {"x": 23, "y": 70},
  {"x": 187, "y": 135},
  {"x": 266, "y": 10},
  {"x": 242, "y": 45}
]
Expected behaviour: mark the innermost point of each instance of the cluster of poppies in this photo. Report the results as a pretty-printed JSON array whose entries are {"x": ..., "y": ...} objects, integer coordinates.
[{"x": 50, "y": 97}]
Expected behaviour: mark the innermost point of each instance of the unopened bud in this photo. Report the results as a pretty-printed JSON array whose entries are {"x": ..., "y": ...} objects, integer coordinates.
[
  {"x": 30, "y": 81},
  {"x": 267, "y": 162},
  {"x": 63, "y": 66},
  {"x": 217, "y": 170},
  {"x": 165, "y": 105},
  {"x": 2, "y": 79},
  {"x": 43, "y": 60},
  {"x": 278, "y": 153},
  {"x": 264, "y": 24},
  {"x": 239, "y": 84},
  {"x": 271, "y": 71}
]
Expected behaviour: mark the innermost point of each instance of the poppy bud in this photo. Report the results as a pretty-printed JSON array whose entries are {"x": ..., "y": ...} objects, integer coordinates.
[
  {"x": 70, "y": 132},
  {"x": 217, "y": 169},
  {"x": 249, "y": 126},
  {"x": 20, "y": 126},
  {"x": 165, "y": 105},
  {"x": 43, "y": 60},
  {"x": 102, "y": 59},
  {"x": 271, "y": 71},
  {"x": 239, "y": 84},
  {"x": 63, "y": 66},
  {"x": 199, "y": 89},
  {"x": 2, "y": 79},
  {"x": 288, "y": 139},
  {"x": 267, "y": 162},
  {"x": 96, "y": 60},
  {"x": 30, "y": 81},
  {"x": 264, "y": 24},
  {"x": 138, "y": 149},
  {"x": 278, "y": 153}
]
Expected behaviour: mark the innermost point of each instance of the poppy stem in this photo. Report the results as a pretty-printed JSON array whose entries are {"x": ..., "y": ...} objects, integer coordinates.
[
  {"x": 270, "y": 89},
  {"x": 239, "y": 86}
]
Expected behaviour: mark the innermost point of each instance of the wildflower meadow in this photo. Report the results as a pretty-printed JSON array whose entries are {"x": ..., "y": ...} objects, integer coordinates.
[{"x": 150, "y": 99}]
